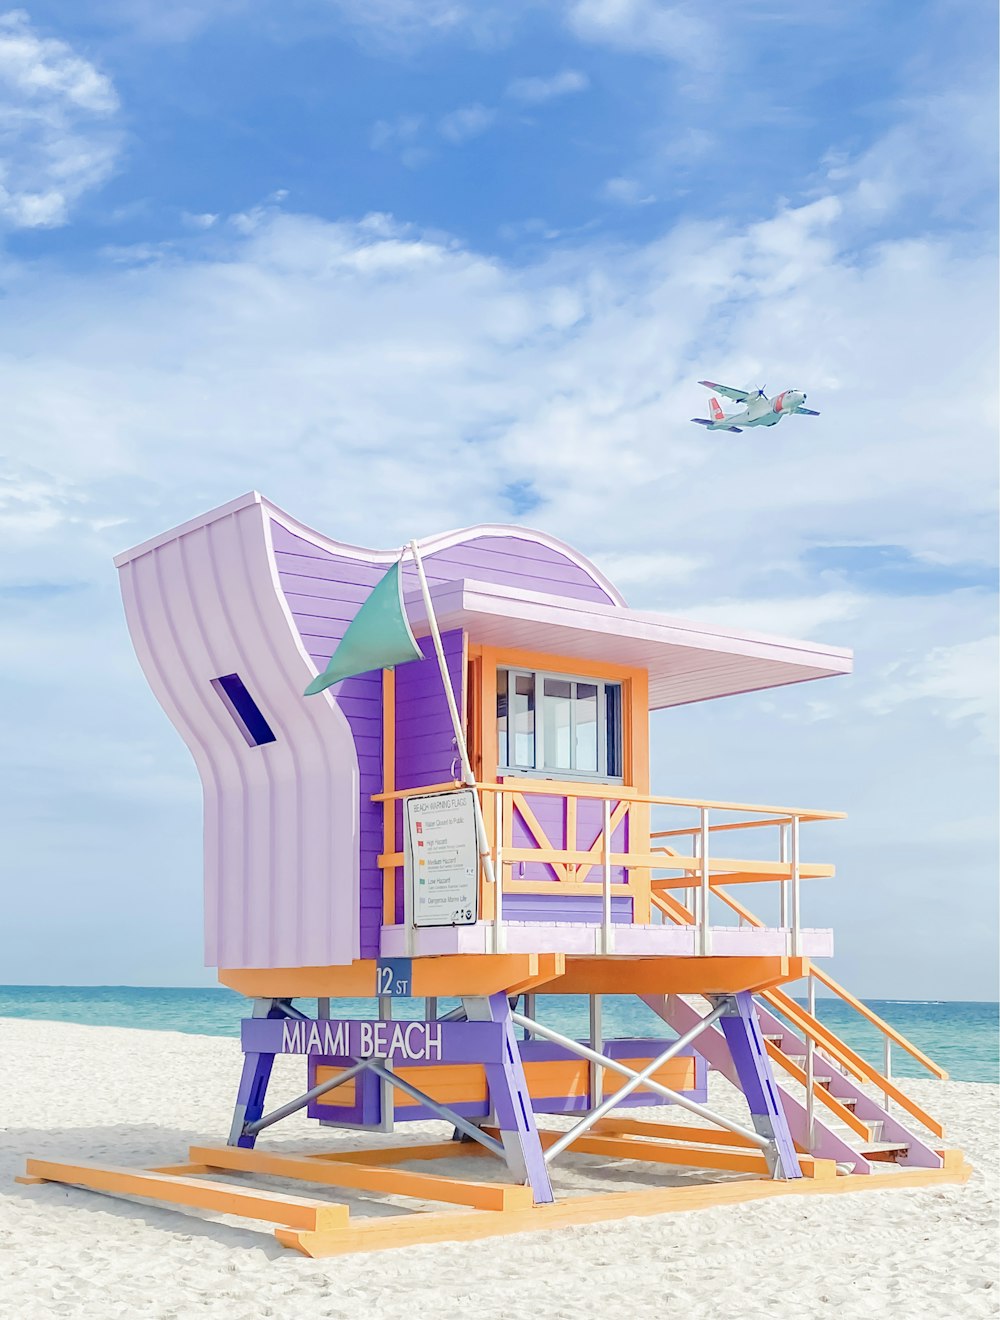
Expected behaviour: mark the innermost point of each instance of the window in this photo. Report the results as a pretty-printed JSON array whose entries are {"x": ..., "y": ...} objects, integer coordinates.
[
  {"x": 248, "y": 715},
  {"x": 553, "y": 724}
]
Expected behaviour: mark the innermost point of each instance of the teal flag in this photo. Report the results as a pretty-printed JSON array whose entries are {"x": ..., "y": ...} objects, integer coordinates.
[{"x": 378, "y": 637}]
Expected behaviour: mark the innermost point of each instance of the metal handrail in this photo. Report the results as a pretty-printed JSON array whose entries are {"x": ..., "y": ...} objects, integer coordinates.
[
  {"x": 822, "y": 1038},
  {"x": 889, "y": 1032}
]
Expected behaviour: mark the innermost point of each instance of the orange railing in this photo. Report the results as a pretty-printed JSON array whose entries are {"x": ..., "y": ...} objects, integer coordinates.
[
  {"x": 816, "y": 1035},
  {"x": 649, "y": 870},
  {"x": 657, "y": 875}
]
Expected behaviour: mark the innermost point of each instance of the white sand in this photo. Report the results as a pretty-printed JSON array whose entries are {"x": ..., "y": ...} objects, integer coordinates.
[{"x": 141, "y": 1097}]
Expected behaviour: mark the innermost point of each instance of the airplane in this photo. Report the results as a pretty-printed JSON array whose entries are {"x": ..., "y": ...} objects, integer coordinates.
[{"x": 759, "y": 410}]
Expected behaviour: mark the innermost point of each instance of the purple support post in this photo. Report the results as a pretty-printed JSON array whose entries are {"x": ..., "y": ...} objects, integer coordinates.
[
  {"x": 749, "y": 1053},
  {"x": 253, "y": 1083},
  {"x": 511, "y": 1101}
]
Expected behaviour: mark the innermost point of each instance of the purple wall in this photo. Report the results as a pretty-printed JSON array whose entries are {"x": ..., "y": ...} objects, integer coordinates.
[
  {"x": 324, "y": 591},
  {"x": 511, "y": 562},
  {"x": 425, "y": 739},
  {"x": 550, "y": 812},
  {"x": 563, "y": 907}
]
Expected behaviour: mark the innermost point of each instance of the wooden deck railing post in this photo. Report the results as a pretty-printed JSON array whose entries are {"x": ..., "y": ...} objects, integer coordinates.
[
  {"x": 795, "y": 895},
  {"x": 499, "y": 943},
  {"x": 704, "y": 938},
  {"x": 811, "y": 1070},
  {"x": 607, "y": 931},
  {"x": 783, "y": 886}
]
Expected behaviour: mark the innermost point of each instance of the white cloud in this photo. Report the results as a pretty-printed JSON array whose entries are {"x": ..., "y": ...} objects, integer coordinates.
[
  {"x": 536, "y": 91},
  {"x": 807, "y": 617},
  {"x": 629, "y": 192},
  {"x": 199, "y": 220},
  {"x": 407, "y": 19},
  {"x": 406, "y": 136},
  {"x": 403, "y": 137},
  {"x": 959, "y": 682},
  {"x": 402, "y": 130},
  {"x": 467, "y": 122},
  {"x": 59, "y": 136},
  {"x": 679, "y": 32}
]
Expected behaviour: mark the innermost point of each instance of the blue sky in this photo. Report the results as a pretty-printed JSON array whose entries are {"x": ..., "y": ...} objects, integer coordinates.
[{"x": 408, "y": 265}]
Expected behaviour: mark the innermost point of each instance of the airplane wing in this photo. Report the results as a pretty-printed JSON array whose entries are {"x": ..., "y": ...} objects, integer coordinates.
[
  {"x": 738, "y": 396},
  {"x": 707, "y": 421},
  {"x": 808, "y": 412}
]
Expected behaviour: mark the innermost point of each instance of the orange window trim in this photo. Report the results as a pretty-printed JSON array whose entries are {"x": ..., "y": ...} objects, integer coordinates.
[{"x": 635, "y": 704}]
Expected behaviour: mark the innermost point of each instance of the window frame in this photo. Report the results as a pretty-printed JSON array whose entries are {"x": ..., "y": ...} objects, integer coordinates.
[{"x": 540, "y": 772}]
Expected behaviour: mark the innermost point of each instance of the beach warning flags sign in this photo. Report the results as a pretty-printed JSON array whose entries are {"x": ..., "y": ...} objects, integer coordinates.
[{"x": 378, "y": 637}]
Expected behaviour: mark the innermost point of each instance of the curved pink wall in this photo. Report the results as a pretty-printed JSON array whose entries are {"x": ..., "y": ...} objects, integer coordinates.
[{"x": 281, "y": 838}]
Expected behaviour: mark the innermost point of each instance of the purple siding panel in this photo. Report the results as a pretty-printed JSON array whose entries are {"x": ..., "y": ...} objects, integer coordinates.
[
  {"x": 572, "y": 907},
  {"x": 359, "y": 698},
  {"x": 309, "y": 570},
  {"x": 550, "y": 812},
  {"x": 324, "y": 590},
  {"x": 514, "y": 562},
  {"x": 425, "y": 739}
]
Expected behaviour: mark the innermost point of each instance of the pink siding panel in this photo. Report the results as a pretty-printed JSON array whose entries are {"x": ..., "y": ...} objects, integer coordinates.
[{"x": 280, "y": 848}]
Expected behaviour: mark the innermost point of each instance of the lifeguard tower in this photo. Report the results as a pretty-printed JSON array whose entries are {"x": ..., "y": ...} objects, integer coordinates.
[{"x": 471, "y": 828}]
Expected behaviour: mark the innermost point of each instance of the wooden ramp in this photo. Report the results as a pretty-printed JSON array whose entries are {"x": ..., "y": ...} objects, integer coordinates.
[{"x": 480, "y": 1209}]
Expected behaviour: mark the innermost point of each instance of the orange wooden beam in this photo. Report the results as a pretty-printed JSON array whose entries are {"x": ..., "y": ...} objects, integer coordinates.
[
  {"x": 224, "y": 1198},
  {"x": 637, "y": 1127},
  {"x": 692, "y": 1156},
  {"x": 449, "y": 974},
  {"x": 681, "y": 975},
  {"x": 456, "y": 1226},
  {"x": 389, "y": 786},
  {"x": 367, "y": 1177}
]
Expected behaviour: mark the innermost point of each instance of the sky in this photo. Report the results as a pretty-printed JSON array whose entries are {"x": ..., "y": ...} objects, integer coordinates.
[{"x": 409, "y": 265}]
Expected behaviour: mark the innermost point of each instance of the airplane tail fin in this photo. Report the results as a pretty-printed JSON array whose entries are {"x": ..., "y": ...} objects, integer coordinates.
[{"x": 715, "y": 408}]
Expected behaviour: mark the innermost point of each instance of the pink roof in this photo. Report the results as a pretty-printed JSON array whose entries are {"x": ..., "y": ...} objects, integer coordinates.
[{"x": 687, "y": 661}]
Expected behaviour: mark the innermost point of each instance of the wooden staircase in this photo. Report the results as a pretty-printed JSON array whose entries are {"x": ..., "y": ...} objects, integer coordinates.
[{"x": 847, "y": 1123}]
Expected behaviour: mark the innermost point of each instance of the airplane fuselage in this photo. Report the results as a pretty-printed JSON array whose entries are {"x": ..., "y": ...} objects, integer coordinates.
[
  {"x": 762, "y": 412},
  {"x": 758, "y": 409}
]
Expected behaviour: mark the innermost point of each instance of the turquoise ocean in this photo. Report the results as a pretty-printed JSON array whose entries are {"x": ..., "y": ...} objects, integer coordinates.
[{"x": 962, "y": 1037}]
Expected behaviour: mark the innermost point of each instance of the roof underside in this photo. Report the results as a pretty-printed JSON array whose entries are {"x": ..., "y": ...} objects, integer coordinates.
[{"x": 686, "y": 661}]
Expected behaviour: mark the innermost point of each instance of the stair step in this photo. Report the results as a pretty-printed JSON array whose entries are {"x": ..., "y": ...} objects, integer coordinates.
[
  {"x": 775, "y": 1038},
  {"x": 884, "y": 1150},
  {"x": 821, "y": 1079}
]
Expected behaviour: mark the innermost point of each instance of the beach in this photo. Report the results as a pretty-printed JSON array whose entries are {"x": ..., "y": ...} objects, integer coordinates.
[{"x": 125, "y": 1097}]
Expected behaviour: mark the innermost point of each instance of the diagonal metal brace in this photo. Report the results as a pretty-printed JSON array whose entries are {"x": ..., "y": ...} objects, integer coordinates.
[{"x": 462, "y": 1124}]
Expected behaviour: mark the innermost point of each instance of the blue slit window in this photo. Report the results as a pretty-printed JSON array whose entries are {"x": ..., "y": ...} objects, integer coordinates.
[{"x": 244, "y": 710}]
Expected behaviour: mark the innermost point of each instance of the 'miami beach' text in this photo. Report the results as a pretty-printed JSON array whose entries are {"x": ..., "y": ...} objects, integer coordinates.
[{"x": 418, "y": 1041}]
